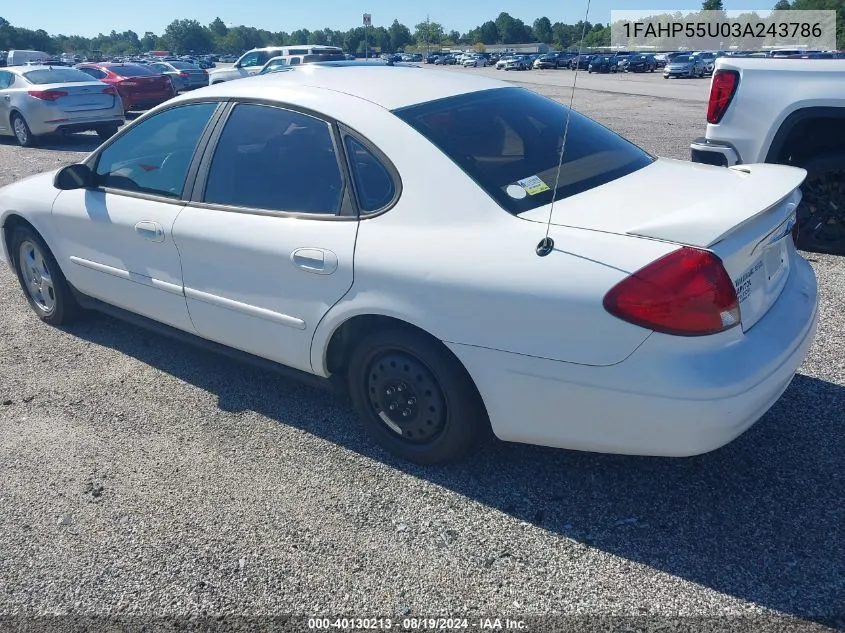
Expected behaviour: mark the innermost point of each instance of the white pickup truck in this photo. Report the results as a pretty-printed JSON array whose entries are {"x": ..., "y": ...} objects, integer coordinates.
[{"x": 789, "y": 111}]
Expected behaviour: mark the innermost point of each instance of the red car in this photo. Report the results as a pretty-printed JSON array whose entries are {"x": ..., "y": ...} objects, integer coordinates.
[{"x": 140, "y": 88}]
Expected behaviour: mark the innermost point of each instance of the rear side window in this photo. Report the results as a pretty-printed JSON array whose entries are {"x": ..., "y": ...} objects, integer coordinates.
[
  {"x": 275, "y": 159},
  {"x": 508, "y": 140},
  {"x": 374, "y": 186}
]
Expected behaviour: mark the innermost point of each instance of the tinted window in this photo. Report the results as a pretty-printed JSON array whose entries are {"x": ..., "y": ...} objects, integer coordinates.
[
  {"x": 96, "y": 73},
  {"x": 56, "y": 76},
  {"x": 509, "y": 140},
  {"x": 681, "y": 59},
  {"x": 153, "y": 155},
  {"x": 130, "y": 70},
  {"x": 275, "y": 159},
  {"x": 252, "y": 59},
  {"x": 373, "y": 185},
  {"x": 5, "y": 79}
]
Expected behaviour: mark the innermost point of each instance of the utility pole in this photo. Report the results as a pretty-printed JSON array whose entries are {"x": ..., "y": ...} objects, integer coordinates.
[{"x": 368, "y": 20}]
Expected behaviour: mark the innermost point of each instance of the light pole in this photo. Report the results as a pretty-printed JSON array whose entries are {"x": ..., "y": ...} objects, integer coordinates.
[{"x": 368, "y": 20}]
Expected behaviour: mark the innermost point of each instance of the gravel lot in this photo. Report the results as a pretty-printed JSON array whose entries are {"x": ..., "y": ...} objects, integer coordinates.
[{"x": 141, "y": 476}]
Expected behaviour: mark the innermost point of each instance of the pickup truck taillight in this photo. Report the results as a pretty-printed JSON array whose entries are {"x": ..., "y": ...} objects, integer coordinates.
[{"x": 722, "y": 90}]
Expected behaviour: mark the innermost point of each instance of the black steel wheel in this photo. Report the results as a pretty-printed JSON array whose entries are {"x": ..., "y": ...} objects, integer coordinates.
[
  {"x": 414, "y": 397},
  {"x": 821, "y": 214}
]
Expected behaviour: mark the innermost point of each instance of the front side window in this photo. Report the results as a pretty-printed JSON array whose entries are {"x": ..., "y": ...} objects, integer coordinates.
[
  {"x": 275, "y": 159},
  {"x": 508, "y": 140},
  {"x": 251, "y": 59},
  {"x": 153, "y": 156}
]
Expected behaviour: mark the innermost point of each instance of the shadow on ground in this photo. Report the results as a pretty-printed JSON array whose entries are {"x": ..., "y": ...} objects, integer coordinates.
[{"x": 761, "y": 519}]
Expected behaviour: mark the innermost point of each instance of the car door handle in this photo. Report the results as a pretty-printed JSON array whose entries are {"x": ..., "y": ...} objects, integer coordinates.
[
  {"x": 315, "y": 260},
  {"x": 150, "y": 230}
]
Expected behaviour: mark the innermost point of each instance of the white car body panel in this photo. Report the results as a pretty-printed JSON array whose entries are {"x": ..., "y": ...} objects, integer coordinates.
[
  {"x": 262, "y": 283},
  {"x": 672, "y": 397},
  {"x": 552, "y": 365},
  {"x": 120, "y": 249},
  {"x": 761, "y": 103}
]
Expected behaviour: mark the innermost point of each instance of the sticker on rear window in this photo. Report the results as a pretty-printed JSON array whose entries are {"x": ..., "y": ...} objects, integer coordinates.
[
  {"x": 516, "y": 192},
  {"x": 533, "y": 185}
]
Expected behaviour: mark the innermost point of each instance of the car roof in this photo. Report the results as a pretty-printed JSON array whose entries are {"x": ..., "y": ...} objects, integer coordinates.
[{"x": 390, "y": 87}]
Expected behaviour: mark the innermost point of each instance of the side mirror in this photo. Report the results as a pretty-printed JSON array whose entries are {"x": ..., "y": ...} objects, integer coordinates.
[{"x": 77, "y": 176}]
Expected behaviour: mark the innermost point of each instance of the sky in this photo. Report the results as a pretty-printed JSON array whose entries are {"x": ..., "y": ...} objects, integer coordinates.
[{"x": 60, "y": 16}]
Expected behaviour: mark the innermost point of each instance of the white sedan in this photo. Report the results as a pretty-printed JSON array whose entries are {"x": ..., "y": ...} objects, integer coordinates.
[{"x": 411, "y": 238}]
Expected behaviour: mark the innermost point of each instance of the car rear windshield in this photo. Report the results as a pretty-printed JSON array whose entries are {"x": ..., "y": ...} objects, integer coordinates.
[
  {"x": 56, "y": 76},
  {"x": 130, "y": 70},
  {"x": 508, "y": 140},
  {"x": 681, "y": 59}
]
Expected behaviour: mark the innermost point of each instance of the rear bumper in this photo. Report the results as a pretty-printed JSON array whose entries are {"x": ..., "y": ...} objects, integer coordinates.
[
  {"x": 77, "y": 125},
  {"x": 139, "y": 102},
  {"x": 670, "y": 398},
  {"x": 719, "y": 153}
]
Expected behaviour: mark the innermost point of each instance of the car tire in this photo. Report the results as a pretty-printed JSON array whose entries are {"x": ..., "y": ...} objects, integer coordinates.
[
  {"x": 105, "y": 133},
  {"x": 446, "y": 417},
  {"x": 42, "y": 281},
  {"x": 821, "y": 213},
  {"x": 20, "y": 128}
]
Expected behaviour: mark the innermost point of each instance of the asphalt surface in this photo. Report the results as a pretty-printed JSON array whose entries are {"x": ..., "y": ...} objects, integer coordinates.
[{"x": 139, "y": 476}]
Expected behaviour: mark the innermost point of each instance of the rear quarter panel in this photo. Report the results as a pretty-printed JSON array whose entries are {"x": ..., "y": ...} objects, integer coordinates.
[{"x": 770, "y": 90}]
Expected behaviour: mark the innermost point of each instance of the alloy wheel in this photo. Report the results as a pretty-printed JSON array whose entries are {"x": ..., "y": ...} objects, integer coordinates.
[{"x": 37, "y": 277}]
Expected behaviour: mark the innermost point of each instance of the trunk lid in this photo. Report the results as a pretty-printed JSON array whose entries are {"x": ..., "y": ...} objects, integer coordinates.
[
  {"x": 80, "y": 97},
  {"x": 744, "y": 214}
]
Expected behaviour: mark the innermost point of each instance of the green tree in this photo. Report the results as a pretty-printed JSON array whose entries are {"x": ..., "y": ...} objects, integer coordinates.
[
  {"x": 712, "y": 5},
  {"x": 510, "y": 30},
  {"x": 428, "y": 33},
  {"x": 182, "y": 36},
  {"x": 488, "y": 33},
  {"x": 218, "y": 28},
  {"x": 400, "y": 36},
  {"x": 783, "y": 5},
  {"x": 543, "y": 30}
]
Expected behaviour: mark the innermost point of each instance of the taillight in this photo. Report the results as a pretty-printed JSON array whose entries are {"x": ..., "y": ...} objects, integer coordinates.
[
  {"x": 686, "y": 293},
  {"x": 722, "y": 90},
  {"x": 109, "y": 91},
  {"x": 47, "y": 95},
  {"x": 184, "y": 75}
]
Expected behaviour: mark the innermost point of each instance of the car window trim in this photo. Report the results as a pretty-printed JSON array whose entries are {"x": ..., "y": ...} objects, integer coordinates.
[
  {"x": 346, "y": 131},
  {"x": 190, "y": 175},
  {"x": 348, "y": 207}
]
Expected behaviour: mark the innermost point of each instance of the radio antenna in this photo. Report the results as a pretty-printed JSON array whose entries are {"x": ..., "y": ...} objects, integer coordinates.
[{"x": 547, "y": 244}]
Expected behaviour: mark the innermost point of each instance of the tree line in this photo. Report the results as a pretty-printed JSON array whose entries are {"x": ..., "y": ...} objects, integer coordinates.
[{"x": 186, "y": 35}]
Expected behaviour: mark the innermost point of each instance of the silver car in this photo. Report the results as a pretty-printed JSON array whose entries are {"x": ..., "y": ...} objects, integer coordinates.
[
  {"x": 185, "y": 76},
  {"x": 39, "y": 100}
]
